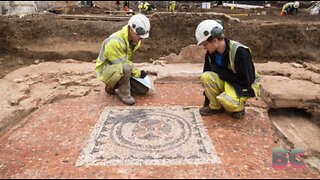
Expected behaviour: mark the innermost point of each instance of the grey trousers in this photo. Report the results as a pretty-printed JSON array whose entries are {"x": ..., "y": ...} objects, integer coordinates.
[{"x": 128, "y": 85}]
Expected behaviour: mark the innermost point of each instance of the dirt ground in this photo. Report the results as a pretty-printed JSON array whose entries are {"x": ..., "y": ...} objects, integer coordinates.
[{"x": 49, "y": 37}]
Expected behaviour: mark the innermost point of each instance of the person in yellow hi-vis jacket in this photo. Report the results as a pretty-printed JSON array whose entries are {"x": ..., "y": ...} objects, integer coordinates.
[
  {"x": 114, "y": 66},
  {"x": 229, "y": 77},
  {"x": 290, "y": 8},
  {"x": 172, "y": 6}
]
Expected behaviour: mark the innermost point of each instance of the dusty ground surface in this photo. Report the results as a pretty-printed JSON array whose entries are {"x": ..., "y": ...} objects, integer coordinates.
[{"x": 48, "y": 109}]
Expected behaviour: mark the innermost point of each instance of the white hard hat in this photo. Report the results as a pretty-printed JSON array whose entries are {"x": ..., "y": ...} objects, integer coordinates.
[
  {"x": 140, "y": 25},
  {"x": 296, "y": 4},
  {"x": 208, "y": 28}
]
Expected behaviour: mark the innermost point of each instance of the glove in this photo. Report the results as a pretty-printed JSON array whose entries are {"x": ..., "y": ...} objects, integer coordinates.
[{"x": 143, "y": 74}]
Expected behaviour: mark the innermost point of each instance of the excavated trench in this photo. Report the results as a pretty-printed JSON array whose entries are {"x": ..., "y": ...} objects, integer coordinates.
[
  {"x": 292, "y": 113},
  {"x": 49, "y": 37}
]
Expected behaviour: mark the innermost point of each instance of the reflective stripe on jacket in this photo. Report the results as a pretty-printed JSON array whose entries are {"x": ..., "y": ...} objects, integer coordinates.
[{"x": 234, "y": 45}]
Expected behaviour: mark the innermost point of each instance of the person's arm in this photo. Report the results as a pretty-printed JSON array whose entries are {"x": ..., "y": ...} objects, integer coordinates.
[
  {"x": 114, "y": 51},
  {"x": 135, "y": 72},
  {"x": 245, "y": 72},
  {"x": 207, "y": 66}
]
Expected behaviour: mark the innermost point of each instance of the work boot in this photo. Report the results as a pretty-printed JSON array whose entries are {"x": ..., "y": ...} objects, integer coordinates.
[
  {"x": 128, "y": 100},
  {"x": 238, "y": 115},
  {"x": 207, "y": 111},
  {"x": 109, "y": 91}
]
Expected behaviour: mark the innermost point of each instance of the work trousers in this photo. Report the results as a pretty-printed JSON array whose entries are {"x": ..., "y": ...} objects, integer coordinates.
[{"x": 221, "y": 93}]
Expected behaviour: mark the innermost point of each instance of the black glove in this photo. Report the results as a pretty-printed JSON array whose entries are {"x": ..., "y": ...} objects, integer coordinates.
[{"x": 143, "y": 74}]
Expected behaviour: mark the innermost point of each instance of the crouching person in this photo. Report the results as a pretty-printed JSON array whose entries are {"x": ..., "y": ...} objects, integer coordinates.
[
  {"x": 229, "y": 76},
  {"x": 114, "y": 67}
]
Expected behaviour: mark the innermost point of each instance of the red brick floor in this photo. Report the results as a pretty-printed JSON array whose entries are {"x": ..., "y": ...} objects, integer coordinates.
[{"x": 47, "y": 143}]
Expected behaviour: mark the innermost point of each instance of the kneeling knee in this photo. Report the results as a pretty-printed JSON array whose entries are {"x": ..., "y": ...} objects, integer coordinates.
[{"x": 205, "y": 77}]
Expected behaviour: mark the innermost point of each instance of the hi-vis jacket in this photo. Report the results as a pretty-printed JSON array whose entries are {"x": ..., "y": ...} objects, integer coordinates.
[
  {"x": 237, "y": 69},
  {"x": 288, "y": 8},
  {"x": 114, "y": 51}
]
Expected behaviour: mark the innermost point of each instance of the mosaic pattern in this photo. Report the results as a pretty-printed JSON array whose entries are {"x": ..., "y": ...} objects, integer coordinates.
[{"x": 148, "y": 136}]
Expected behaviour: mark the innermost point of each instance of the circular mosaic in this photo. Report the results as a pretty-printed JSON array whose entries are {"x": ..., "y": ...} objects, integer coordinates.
[{"x": 156, "y": 131}]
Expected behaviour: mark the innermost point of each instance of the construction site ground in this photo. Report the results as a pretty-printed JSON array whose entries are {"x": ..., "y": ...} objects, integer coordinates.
[{"x": 50, "y": 99}]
